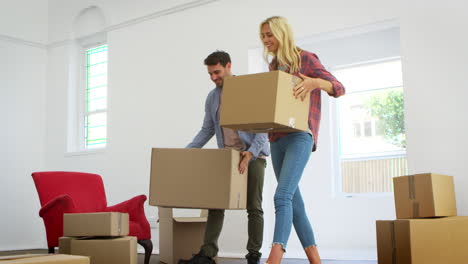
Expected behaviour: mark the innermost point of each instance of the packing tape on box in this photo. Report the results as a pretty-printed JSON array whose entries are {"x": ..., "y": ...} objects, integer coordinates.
[
  {"x": 120, "y": 224},
  {"x": 412, "y": 196}
]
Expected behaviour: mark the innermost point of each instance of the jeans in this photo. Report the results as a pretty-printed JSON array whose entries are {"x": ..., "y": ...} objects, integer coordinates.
[
  {"x": 214, "y": 224},
  {"x": 289, "y": 156}
]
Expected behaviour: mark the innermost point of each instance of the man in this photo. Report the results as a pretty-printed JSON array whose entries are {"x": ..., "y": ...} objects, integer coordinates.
[{"x": 254, "y": 149}]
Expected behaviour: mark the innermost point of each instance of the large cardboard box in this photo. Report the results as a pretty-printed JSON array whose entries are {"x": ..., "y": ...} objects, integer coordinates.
[
  {"x": 197, "y": 178},
  {"x": 423, "y": 241},
  {"x": 121, "y": 250},
  {"x": 44, "y": 259},
  {"x": 96, "y": 224},
  {"x": 179, "y": 237},
  {"x": 263, "y": 102},
  {"x": 424, "y": 195}
]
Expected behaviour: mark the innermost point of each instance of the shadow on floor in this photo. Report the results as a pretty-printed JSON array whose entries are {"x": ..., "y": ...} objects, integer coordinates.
[{"x": 155, "y": 258}]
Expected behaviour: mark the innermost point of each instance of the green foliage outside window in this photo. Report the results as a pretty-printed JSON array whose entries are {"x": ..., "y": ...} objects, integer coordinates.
[{"x": 389, "y": 109}]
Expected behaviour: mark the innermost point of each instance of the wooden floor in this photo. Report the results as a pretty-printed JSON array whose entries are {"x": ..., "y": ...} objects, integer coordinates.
[{"x": 155, "y": 258}]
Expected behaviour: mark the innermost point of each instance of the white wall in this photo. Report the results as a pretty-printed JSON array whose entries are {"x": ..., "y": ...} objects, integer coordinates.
[
  {"x": 23, "y": 68},
  {"x": 157, "y": 89},
  {"x": 158, "y": 85},
  {"x": 435, "y": 76},
  {"x": 24, "y": 19}
]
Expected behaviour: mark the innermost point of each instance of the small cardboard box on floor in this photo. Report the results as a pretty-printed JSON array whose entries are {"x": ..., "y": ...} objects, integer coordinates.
[
  {"x": 120, "y": 250},
  {"x": 263, "y": 102},
  {"x": 197, "y": 178},
  {"x": 96, "y": 224},
  {"x": 423, "y": 241},
  {"x": 44, "y": 259},
  {"x": 179, "y": 237},
  {"x": 424, "y": 195}
]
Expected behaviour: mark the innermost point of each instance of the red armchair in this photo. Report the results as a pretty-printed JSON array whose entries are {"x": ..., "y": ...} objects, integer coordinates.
[{"x": 76, "y": 192}]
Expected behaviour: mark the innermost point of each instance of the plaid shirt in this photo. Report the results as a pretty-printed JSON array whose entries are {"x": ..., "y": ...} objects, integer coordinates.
[{"x": 311, "y": 66}]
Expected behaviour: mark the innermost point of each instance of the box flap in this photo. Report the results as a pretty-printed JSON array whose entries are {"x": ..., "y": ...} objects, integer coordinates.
[
  {"x": 48, "y": 259},
  {"x": 21, "y": 256},
  {"x": 443, "y": 188},
  {"x": 164, "y": 212},
  {"x": 190, "y": 219},
  {"x": 386, "y": 242}
]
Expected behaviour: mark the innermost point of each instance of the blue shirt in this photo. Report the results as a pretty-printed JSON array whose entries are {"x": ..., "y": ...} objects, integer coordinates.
[{"x": 257, "y": 143}]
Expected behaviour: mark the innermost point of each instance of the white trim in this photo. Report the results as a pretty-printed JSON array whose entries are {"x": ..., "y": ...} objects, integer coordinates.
[
  {"x": 350, "y": 31},
  {"x": 141, "y": 19},
  {"x": 86, "y": 152},
  {"x": 24, "y": 42},
  {"x": 161, "y": 13},
  {"x": 131, "y": 22},
  {"x": 365, "y": 63},
  {"x": 337, "y": 183},
  {"x": 374, "y": 156},
  {"x": 364, "y": 195}
]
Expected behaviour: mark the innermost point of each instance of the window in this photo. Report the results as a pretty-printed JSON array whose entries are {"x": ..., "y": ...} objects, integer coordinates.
[
  {"x": 95, "y": 114},
  {"x": 371, "y": 126}
]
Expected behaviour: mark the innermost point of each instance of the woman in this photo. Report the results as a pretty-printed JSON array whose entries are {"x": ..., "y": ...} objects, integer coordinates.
[{"x": 291, "y": 151}]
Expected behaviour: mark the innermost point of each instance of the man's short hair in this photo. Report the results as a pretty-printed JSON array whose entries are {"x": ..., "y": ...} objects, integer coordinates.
[{"x": 216, "y": 57}]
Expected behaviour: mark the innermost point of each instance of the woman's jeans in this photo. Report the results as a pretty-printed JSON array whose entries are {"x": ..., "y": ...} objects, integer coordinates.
[{"x": 289, "y": 155}]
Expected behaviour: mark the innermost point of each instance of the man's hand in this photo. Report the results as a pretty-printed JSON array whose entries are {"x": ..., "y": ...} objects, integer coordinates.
[{"x": 244, "y": 163}]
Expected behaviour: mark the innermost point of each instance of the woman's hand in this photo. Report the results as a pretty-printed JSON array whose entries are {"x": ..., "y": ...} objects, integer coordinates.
[{"x": 304, "y": 88}]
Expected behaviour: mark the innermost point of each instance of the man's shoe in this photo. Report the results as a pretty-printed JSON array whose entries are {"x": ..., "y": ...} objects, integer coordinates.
[
  {"x": 197, "y": 259},
  {"x": 253, "y": 258}
]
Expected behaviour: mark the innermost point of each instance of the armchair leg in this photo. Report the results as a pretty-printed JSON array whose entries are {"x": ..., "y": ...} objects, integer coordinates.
[
  {"x": 147, "y": 244},
  {"x": 51, "y": 250}
]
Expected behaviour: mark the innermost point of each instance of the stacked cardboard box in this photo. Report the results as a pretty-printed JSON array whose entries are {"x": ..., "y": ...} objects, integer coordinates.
[
  {"x": 179, "y": 237},
  {"x": 263, "y": 102},
  {"x": 100, "y": 236},
  {"x": 427, "y": 230},
  {"x": 192, "y": 178}
]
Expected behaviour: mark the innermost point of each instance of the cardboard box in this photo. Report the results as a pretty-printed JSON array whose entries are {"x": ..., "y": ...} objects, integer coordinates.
[
  {"x": 197, "y": 178},
  {"x": 44, "y": 259},
  {"x": 263, "y": 102},
  {"x": 423, "y": 241},
  {"x": 65, "y": 245},
  {"x": 179, "y": 237},
  {"x": 122, "y": 250},
  {"x": 96, "y": 224},
  {"x": 424, "y": 195}
]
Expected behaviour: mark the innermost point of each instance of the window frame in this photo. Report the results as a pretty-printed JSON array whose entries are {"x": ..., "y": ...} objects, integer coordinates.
[
  {"x": 78, "y": 95},
  {"x": 84, "y": 113},
  {"x": 335, "y": 134}
]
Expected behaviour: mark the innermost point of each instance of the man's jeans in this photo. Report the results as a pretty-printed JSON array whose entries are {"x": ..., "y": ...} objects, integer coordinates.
[
  {"x": 214, "y": 225},
  {"x": 289, "y": 156}
]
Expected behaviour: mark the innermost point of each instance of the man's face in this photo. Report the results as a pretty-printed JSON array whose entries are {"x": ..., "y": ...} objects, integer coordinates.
[{"x": 218, "y": 72}]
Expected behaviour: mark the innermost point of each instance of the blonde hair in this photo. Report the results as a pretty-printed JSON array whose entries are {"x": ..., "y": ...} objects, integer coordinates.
[{"x": 288, "y": 53}]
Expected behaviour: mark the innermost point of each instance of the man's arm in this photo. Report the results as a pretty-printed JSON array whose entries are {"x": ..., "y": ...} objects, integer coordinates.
[
  {"x": 206, "y": 132},
  {"x": 258, "y": 143}
]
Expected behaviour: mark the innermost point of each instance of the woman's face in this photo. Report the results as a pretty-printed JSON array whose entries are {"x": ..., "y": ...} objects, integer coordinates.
[{"x": 268, "y": 40}]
